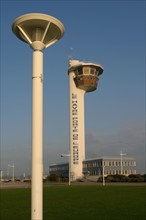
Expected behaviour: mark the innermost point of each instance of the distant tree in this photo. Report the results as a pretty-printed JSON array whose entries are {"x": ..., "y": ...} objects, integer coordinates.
[
  {"x": 144, "y": 176},
  {"x": 110, "y": 178},
  {"x": 123, "y": 178},
  {"x": 100, "y": 179},
  {"x": 116, "y": 178},
  {"x": 54, "y": 177},
  {"x": 136, "y": 178}
]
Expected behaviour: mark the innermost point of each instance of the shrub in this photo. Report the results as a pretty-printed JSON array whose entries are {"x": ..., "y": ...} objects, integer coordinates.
[{"x": 123, "y": 178}]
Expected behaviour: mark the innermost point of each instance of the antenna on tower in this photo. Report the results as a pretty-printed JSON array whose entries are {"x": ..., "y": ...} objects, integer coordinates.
[{"x": 70, "y": 56}]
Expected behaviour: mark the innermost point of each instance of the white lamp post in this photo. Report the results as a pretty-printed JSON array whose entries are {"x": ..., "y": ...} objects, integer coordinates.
[
  {"x": 103, "y": 179},
  {"x": 12, "y": 166},
  {"x": 8, "y": 172},
  {"x": 67, "y": 155},
  {"x": 121, "y": 154},
  {"x": 39, "y": 31},
  {"x": 1, "y": 175}
]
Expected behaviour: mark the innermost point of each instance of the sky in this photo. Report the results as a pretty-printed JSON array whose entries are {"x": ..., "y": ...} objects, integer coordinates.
[{"x": 109, "y": 33}]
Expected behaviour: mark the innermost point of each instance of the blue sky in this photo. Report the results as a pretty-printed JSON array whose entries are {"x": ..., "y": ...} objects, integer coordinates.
[{"x": 110, "y": 33}]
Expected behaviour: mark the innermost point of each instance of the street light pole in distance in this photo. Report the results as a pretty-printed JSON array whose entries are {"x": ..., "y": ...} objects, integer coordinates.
[
  {"x": 103, "y": 178},
  {"x": 67, "y": 155},
  {"x": 121, "y": 154},
  {"x": 13, "y": 175},
  {"x": 39, "y": 31}
]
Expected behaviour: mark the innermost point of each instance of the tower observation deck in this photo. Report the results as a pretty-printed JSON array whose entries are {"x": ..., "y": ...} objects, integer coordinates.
[{"x": 86, "y": 74}]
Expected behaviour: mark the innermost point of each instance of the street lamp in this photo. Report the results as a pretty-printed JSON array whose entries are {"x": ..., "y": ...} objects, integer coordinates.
[
  {"x": 103, "y": 179},
  {"x": 39, "y": 31},
  {"x": 13, "y": 167},
  {"x": 67, "y": 155},
  {"x": 1, "y": 175},
  {"x": 121, "y": 154}
]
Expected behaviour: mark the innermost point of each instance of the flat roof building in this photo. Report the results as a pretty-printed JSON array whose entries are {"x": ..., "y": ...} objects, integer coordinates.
[{"x": 96, "y": 167}]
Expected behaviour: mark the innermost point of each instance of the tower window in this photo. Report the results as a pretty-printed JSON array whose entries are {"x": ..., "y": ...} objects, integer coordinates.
[
  {"x": 79, "y": 71},
  {"x": 93, "y": 71},
  {"x": 86, "y": 70}
]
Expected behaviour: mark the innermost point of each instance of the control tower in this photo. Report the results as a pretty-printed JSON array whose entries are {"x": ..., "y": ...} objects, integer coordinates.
[{"x": 83, "y": 77}]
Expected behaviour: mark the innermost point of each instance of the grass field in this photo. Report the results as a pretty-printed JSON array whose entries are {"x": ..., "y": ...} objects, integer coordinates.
[{"x": 78, "y": 202}]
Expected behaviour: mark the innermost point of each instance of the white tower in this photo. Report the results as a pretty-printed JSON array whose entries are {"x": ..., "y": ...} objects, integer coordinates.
[
  {"x": 83, "y": 77},
  {"x": 39, "y": 31}
]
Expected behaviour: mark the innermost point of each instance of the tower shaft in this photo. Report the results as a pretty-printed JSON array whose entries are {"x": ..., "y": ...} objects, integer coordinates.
[{"x": 77, "y": 136}]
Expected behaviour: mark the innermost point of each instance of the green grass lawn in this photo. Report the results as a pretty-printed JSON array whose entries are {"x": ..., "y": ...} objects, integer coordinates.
[{"x": 78, "y": 202}]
